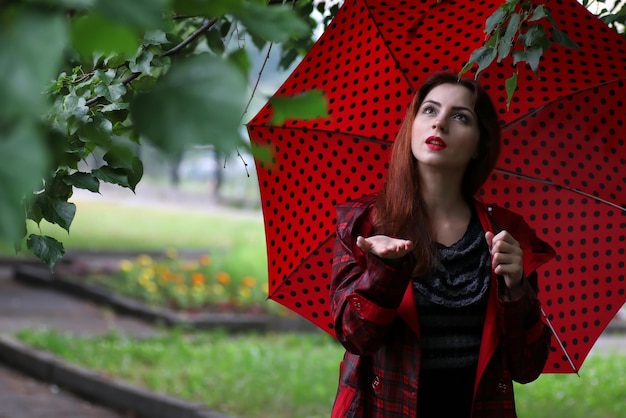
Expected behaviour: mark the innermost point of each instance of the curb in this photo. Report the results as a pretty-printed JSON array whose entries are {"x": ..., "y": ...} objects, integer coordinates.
[
  {"x": 233, "y": 323},
  {"x": 115, "y": 394}
]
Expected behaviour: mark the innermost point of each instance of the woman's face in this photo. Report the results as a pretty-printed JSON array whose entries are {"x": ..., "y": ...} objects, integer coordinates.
[{"x": 445, "y": 131}]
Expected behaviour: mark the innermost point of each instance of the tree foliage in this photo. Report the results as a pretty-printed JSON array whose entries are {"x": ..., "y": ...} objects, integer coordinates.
[
  {"x": 81, "y": 77},
  {"x": 105, "y": 76}
]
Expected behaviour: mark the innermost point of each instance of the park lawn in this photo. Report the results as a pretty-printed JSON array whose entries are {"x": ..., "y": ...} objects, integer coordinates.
[
  {"x": 234, "y": 237},
  {"x": 105, "y": 225},
  {"x": 295, "y": 375}
]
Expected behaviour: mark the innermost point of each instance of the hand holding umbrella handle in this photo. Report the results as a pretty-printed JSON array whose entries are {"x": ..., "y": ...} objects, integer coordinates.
[
  {"x": 506, "y": 261},
  {"x": 385, "y": 247}
]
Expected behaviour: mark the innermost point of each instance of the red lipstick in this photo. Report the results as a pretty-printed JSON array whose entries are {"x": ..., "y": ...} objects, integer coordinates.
[{"x": 435, "y": 143}]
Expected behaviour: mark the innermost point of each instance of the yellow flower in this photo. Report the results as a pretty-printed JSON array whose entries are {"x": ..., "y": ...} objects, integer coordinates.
[
  {"x": 218, "y": 289},
  {"x": 190, "y": 266},
  {"x": 171, "y": 253},
  {"x": 126, "y": 266},
  {"x": 144, "y": 260},
  {"x": 223, "y": 278},
  {"x": 248, "y": 282},
  {"x": 245, "y": 293}
]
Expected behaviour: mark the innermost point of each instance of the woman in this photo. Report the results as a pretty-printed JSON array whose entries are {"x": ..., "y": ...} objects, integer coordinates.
[{"x": 434, "y": 293}]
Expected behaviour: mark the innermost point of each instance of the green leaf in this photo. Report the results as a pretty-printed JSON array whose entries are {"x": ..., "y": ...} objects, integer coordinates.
[
  {"x": 31, "y": 50},
  {"x": 531, "y": 56},
  {"x": 56, "y": 188},
  {"x": 506, "y": 42},
  {"x": 112, "y": 176},
  {"x": 495, "y": 19},
  {"x": 275, "y": 24},
  {"x": 99, "y": 131},
  {"x": 139, "y": 14},
  {"x": 156, "y": 37},
  {"x": 142, "y": 63},
  {"x": 94, "y": 33},
  {"x": 45, "y": 248},
  {"x": 215, "y": 41},
  {"x": 111, "y": 92},
  {"x": 211, "y": 8},
  {"x": 241, "y": 60},
  {"x": 120, "y": 156},
  {"x": 483, "y": 56},
  {"x": 510, "y": 86},
  {"x": 535, "y": 35},
  {"x": 67, "y": 4},
  {"x": 199, "y": 101},
  {"x": 144, "y": 83},
  {"x": 86, "y": 181},
  {"x": 308, "y": 105},
  {"x": 562, "y": 39},
  {"x": 24, "y": 164},
  {"x": 540, "y": 12},
  {"x": 135, "y": 174},
  {"x": 57, "y": 211}
]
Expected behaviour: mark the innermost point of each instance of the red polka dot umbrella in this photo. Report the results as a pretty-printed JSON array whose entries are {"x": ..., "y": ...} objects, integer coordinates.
[{"x": 562, "y": 166}]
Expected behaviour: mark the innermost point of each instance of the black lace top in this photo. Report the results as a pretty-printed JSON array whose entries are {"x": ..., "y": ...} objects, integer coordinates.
[{"x": 451, "y": 302}]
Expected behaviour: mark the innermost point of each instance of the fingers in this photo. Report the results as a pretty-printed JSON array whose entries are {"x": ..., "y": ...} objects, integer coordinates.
[
  {"x": 363, "y": 244},
  {"x": 384, "y": 246},
  {"x": 506, "y": 255}
]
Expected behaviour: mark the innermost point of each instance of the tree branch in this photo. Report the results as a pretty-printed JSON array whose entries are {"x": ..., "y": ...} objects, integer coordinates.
[
  {"x": 207, "y": 25},
  {"x": 175, "y": 50}
]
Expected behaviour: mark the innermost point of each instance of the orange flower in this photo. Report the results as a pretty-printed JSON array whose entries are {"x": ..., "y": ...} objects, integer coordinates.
[
  {"x": 248, "y": 282},
  {"x": 166, "y": 275},
  {"x": 223, "y": 278},
  {"x": 197, "y": 279},
  {"x": 179, "y": 279}
]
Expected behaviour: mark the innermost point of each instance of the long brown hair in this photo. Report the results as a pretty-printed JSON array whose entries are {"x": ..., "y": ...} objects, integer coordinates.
[{"x": 400, "y": 210}]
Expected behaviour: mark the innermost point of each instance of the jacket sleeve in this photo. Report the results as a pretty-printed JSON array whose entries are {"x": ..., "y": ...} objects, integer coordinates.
[
  {"x": 526, "y": 337},
  {"x": 365, "y": 291}
]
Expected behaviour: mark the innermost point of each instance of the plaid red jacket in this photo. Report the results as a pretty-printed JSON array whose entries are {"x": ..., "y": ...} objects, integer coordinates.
[{"x": 376, "y": 321}]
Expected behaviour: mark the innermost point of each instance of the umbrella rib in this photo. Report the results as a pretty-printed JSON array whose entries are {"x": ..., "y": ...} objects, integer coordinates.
[
  {"x": 510, "y": 124},
  {"x": 569, "y": 359},
  {"x": 288, "y": 277},
  {"x": 551, "y": 183},
  {"x": 382, "y": 35},
  {"x": 322, "y": 131}
]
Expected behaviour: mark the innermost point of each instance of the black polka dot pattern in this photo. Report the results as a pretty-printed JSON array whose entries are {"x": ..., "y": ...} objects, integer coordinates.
[
  {"x": 575, "y": 146},
  {"x": 369, "y": 62}
]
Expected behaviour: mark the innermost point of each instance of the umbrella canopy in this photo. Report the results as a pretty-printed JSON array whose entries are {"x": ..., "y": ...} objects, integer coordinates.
[{"x": 561, "y": 165}]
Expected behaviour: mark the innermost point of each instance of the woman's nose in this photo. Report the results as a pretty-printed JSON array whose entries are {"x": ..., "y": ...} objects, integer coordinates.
[{"x": 439, "y": 124}]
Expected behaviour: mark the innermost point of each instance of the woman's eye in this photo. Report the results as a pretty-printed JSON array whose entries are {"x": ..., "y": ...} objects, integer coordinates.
[
  {"x": 461, "y": 117},
  {"x": 429, "y": 109}
]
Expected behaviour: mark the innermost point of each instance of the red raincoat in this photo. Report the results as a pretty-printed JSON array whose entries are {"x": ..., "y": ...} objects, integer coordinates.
[{"x": 376, "y": 321}]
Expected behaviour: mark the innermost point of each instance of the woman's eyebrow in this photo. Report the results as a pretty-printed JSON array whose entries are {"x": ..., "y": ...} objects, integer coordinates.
[{"x": 436, "y": 103}]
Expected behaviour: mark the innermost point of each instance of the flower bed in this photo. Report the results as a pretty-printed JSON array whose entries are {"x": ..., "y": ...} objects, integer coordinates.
[{"x": 181, "y": 284}]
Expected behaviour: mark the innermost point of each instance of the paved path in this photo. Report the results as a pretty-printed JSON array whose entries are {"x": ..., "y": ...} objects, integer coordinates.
[{"x": 24, "y": 306}]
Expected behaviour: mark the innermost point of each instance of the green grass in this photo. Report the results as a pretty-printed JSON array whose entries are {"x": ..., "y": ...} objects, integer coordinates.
[
  {"x": 271, "y": 376},
  {"x": 237, "y": 237},
  {"x": 110, "y": 225},
  {"x": 295, "y": 376}
]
